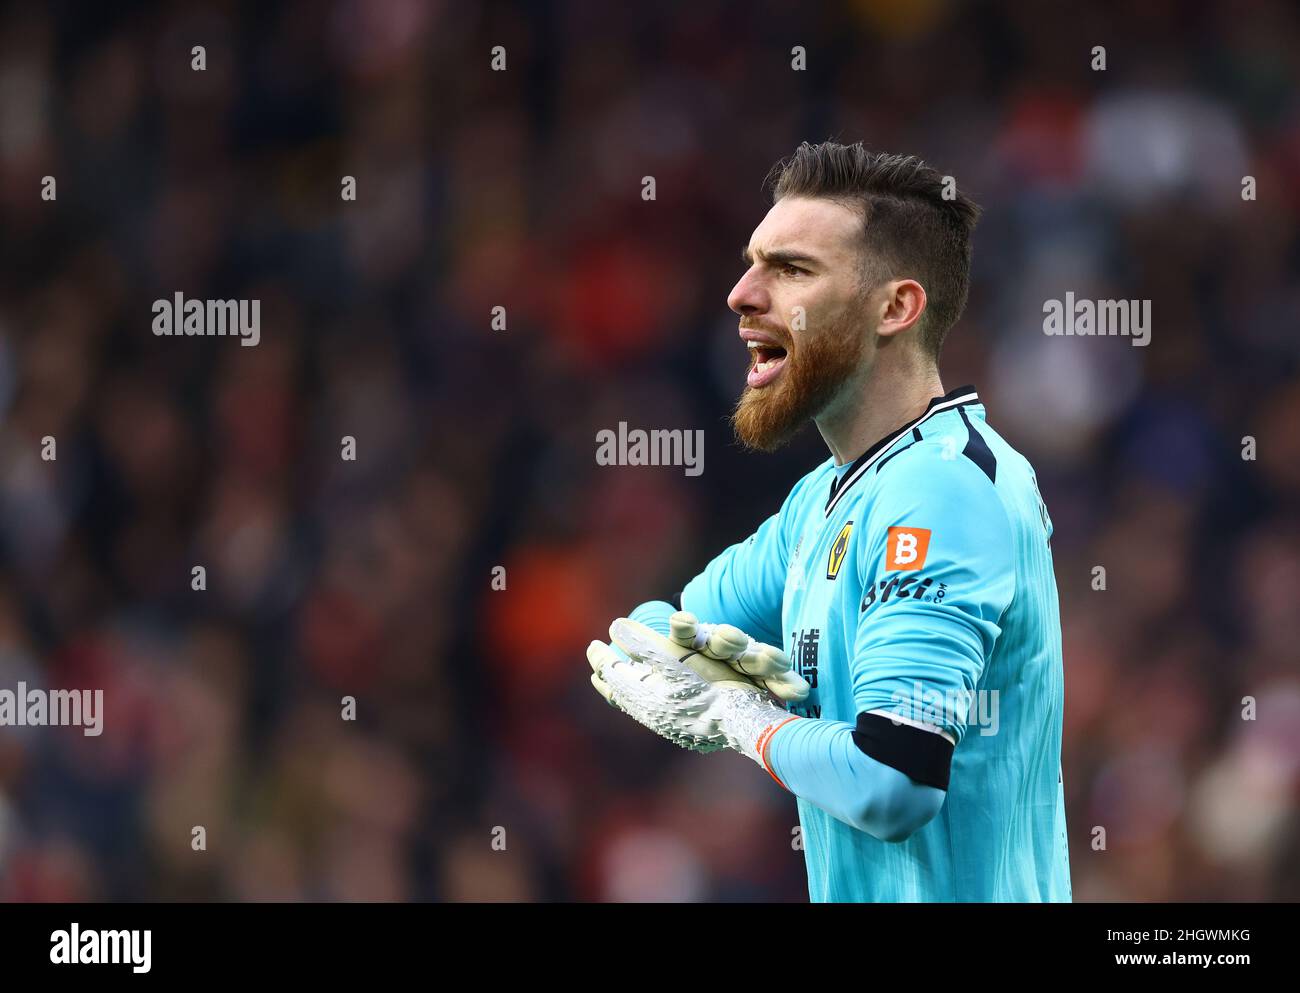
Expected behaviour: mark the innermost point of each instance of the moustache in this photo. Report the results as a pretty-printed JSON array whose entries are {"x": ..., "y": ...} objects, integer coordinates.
[{"x": 778, "y": 335}]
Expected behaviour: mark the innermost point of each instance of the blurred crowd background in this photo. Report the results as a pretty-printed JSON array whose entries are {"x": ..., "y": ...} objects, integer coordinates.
[{"x": 481, "y": 765}]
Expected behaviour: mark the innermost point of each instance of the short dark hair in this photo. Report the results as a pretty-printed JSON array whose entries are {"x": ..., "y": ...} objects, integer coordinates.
[{"x": 911, "y": 229}]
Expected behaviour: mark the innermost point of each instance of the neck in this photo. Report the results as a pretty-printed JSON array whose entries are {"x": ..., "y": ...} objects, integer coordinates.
[{"x": 879, "y": 402}]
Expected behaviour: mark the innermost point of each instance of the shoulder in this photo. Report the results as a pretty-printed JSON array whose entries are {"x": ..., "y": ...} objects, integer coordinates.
[
  {"x": 942, "y": 473},
  {"x": 932, "y": 497},
  {"x": 942, "y": 461}
]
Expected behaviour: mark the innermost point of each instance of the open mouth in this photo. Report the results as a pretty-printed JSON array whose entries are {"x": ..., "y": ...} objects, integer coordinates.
[{"x": 768, "y": 361}]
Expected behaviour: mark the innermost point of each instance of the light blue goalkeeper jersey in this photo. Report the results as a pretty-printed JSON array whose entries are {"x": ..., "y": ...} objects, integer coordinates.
[{"x": 917, "y": 583}]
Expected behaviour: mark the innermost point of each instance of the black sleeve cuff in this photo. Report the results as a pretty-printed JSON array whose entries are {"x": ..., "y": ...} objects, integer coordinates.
[{"x": 922, "y": 756}]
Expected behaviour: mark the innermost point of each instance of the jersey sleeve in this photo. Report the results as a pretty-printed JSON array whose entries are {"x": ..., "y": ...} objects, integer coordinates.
[
  {"x": 937, "y": 565},
  {"x": 745, "y": 584}
]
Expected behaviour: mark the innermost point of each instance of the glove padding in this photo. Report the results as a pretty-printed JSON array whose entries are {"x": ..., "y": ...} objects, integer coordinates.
[
  {"x": 764, "y": 665},
  {"x": 673, "y": 689}
]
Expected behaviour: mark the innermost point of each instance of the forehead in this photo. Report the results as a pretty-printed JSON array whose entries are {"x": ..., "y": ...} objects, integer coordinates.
[{"x": 820, "y": 228}]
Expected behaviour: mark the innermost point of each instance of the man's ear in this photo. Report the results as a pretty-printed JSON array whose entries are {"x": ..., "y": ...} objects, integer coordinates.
[{"x": 902, "y": 303}]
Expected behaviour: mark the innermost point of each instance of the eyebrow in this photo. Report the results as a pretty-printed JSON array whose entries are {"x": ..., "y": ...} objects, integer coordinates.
[{"x": 778, "y": 257}]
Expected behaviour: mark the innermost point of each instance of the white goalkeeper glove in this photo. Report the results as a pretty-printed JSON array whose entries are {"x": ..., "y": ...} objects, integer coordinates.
[
  {"x": 680, "y": 693},
  {"x": 765, "y": 665}
]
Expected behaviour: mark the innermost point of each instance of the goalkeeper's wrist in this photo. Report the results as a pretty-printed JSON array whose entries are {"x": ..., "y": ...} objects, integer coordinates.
[{"x": 748, "y": 720}]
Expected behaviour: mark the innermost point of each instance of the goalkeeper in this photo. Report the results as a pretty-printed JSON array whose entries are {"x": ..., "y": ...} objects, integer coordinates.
[{"x": 915, "y": 711}]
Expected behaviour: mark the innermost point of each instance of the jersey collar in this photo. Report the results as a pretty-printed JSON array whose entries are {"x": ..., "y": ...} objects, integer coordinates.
[{"x": 953, "y": 398}]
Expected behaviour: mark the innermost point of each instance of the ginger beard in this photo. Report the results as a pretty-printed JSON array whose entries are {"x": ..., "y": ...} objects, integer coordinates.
[{"x": 815, "y": 372}]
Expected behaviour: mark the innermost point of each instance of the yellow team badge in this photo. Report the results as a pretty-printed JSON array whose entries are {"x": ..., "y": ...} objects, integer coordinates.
[{"x": 837, "y": 551}]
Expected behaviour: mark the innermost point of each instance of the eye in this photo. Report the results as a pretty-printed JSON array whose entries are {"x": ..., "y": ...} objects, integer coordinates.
[{"x": 788, "y": 269}]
